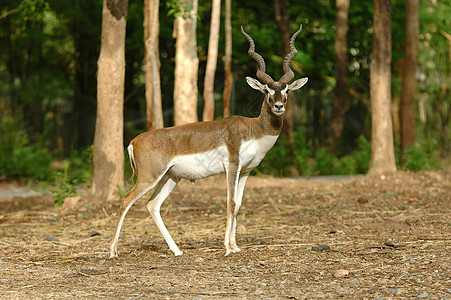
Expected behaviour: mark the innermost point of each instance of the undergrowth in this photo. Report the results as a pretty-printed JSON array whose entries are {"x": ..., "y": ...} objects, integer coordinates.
[
  {"x": 19, "y": 158},
  {"x": 308, "y": 161}
]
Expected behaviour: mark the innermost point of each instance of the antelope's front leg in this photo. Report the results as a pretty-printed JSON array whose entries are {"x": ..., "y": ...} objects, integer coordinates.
[
  {"x": 232, "y": 208},
  {"x": 238, "y": 201}
]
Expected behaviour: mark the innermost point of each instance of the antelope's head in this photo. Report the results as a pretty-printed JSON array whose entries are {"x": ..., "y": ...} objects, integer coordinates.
[{"x": 276, "y": 92}]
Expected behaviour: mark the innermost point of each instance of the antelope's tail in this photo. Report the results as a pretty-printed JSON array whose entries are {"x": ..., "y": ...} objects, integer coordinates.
[{"x": 132, "y": 160}]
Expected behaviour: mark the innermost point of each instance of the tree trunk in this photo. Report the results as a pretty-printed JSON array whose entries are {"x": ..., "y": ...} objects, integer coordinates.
[
  {"x": 186, "y": 64},
  {"x": 283, "y": 22},
  {"x": 209, "y": 82},
  {"x": 108, "y": 153},
  {"x": 154, "y": 110},
  {"x": 227, "y": 59},
  {"x": 382, "y": 149},
  {"x": 407, "y": 109},
  {"x": 341, "y": 63}
]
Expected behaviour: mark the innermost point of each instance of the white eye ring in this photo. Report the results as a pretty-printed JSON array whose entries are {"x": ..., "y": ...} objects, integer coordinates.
[
  {"x": 284, "y": 91},
  {"x": 271, "y": 91}
]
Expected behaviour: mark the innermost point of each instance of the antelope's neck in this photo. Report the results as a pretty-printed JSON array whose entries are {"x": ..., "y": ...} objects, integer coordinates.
[{"x": 270, "y": 123}]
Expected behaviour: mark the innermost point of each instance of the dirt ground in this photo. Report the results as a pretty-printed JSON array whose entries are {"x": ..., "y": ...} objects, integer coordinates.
[{"x": 363, "y": 238}]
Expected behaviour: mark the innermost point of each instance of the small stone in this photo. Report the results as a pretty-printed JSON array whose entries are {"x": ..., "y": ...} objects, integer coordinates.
[
  {"x": 412, "y": 261},
  {"x": 321, "y": 248},
  {"x": 199, "y": 260},
  {"x": 52, "y": 239},
  {"x": 341, "y": 273},
  {"x": 424, "y": 246},
  {"x": 394, "y": 291},
  {"x": 449, "y": 291},
  {"x": 70, "y": 203},
  {"x": 391, "y": 243},
  {"x": 362, "y": 200},
  {"x": 423, "y": 295},
  {"x": 398, "y": 219},
  {"x": 94, "y": 233}
]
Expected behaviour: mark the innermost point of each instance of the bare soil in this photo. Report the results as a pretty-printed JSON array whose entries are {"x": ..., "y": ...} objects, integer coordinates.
[{"x": 363, "y": 238}]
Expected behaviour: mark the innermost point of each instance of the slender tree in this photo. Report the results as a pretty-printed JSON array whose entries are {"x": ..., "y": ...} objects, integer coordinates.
[
  {"x": 212, "y": 58},
  {"x": 407, "y": 106},
  {"x": 341, "y": 66},
  {"x": 186, "y": 64},
  {"x": 154, "y": 110},
  {"x": 228, "y": 77},
  {"x": 283, "y": 23},
  {"x": 382, "y": 149},
  {"x": 108, "y": 153}
]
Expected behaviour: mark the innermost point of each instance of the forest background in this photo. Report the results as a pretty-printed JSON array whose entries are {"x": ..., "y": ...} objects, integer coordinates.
[{"x": 48, "y": 84}]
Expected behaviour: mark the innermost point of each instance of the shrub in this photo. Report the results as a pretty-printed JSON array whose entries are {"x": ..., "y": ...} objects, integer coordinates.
[
  {"x": 362, "y": 156},
  {"x": 421, "y": 156},
  {"x": 18, "y": 158}
]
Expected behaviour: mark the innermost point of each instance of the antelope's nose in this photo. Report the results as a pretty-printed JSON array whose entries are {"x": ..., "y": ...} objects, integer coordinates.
[{"x": 278, "y": 106}]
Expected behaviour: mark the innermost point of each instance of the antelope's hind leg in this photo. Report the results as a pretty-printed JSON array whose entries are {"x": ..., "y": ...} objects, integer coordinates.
[
  {"x": 164, "y": 188},
  {"x": 136, "y": 193}
]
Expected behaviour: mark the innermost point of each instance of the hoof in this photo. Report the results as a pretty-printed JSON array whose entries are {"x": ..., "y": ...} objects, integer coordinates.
[
  {"x": 229, "y": 253},
  {"x": 178, "y": 253},
  {"x": 113, "y": 254}
]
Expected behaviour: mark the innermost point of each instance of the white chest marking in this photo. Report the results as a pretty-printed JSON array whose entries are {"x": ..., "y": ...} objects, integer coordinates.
[
  {"x": 253, "y": 151},
  {"x": 200, "y": 165}
]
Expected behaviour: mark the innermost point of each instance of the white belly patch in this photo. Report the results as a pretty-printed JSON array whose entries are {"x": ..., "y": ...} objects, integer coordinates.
[{"x": 200, "y": 165}]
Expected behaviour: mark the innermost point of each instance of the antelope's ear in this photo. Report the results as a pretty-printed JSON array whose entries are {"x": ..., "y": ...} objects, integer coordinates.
[
  {"x": 255, "y": 84},
  {"x": 297, "y": 84}
]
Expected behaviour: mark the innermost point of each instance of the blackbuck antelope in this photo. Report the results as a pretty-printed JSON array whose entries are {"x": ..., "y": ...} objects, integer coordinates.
[{"x": 234, "y": 145}]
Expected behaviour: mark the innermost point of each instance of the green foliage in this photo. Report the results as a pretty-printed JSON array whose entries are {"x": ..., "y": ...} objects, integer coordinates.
[
  {"x": 27, "y": 10},
  {"x": 33, "y": 9},
  {"x": 18, "y": 157},
  {"x": 278, "y": 161},
  {"x": 311, "y": 162},
  {"x": 72, "y": 173},
  {"x": 324, "y": 162},
  {"x": 422, "y": 156},
  {"x": 363, "y": 155},
  {"x": 174, "y": 7},
  {"x": 64, "y": 186},
  {"x": 357, "y": 162},
  {"x": 122, "y": 193}
]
